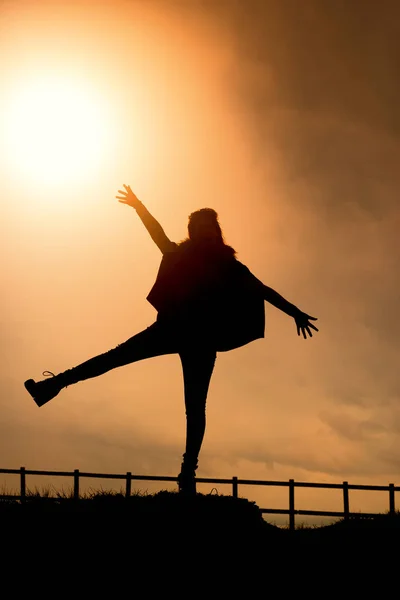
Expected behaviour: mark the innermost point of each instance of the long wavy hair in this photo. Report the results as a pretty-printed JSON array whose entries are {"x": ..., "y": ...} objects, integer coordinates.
[{"x": 199, "y": 216}]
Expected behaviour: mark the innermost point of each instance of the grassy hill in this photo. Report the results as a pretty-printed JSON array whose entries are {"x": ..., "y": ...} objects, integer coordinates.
[{"x": 204, "y": 537}]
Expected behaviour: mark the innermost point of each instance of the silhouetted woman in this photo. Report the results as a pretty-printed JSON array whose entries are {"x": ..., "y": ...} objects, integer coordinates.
[{"x": 207, "y": 302}]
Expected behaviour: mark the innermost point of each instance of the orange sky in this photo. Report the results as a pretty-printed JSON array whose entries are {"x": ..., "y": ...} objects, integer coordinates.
[{"x": 284, "y": 121}]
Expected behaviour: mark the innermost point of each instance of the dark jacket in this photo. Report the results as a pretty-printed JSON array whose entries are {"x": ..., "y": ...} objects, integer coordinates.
[
  {"x": 210, "y": 295},
  {"x": 206, "y": 294}
]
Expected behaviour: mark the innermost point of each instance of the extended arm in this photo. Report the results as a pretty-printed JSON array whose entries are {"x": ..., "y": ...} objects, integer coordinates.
[
  {"x": 280, "y": 302},
  {"x": 301, "y": 318},
  {"x": 154, "y": 228}
]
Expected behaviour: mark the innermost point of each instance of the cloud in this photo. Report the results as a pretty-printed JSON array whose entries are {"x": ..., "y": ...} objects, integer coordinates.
[{"x": 306, "y": 122}]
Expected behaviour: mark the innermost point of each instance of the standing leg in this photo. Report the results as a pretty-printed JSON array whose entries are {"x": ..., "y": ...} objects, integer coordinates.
[
  {"x": 153, "y": 341},
  {"x": 198, "y": 366}
]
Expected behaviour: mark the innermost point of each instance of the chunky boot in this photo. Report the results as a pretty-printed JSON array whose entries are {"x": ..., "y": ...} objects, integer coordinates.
[
  {"x": 187, "y": 478},
  {"x": 187, "y": 483},
  {"x": 45, "y": 390}
]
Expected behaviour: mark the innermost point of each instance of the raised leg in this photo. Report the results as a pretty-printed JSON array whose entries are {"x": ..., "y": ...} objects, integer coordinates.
[{"x": 153, "y": 341}]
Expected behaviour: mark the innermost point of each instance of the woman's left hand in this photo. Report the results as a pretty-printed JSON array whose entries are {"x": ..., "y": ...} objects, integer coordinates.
[{"x": 303, "y": 324}]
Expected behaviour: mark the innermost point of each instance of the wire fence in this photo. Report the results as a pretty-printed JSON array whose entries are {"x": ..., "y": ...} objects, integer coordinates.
[{"x": 234, "y": 482}]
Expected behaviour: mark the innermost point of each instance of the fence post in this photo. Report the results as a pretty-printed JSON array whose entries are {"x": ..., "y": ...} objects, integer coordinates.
[
  {"x": 23, "y": 484},
  {"x": 128, "y": 484},
  {"x": 76, "y": 484},
  {"x": 291, "y": 504},
  {"x": 392, "y": 509},
  {"x": 346, "y": 506},
  {"x": 234, "y": 487}
]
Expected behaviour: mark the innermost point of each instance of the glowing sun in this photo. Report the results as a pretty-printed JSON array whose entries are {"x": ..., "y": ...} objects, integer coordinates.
[{"x": 57, "y": 130}]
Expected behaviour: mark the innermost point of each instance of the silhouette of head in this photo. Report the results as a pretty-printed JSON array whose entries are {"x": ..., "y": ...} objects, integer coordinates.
[{"x": 204, "y": 226}]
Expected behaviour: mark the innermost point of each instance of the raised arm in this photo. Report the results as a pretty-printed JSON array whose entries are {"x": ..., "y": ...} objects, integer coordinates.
[{"x": 154, "y": 228}]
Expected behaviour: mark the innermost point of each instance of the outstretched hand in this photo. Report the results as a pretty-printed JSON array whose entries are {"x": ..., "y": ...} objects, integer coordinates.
[
  {"x": 303, "y": 324},
  {"x": 128, "y": 197}
]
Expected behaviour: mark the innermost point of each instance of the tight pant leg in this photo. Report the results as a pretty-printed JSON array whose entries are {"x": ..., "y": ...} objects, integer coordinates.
[
  {"x": 198, "y": 366},
  {"x": 153, "y": 341}
]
